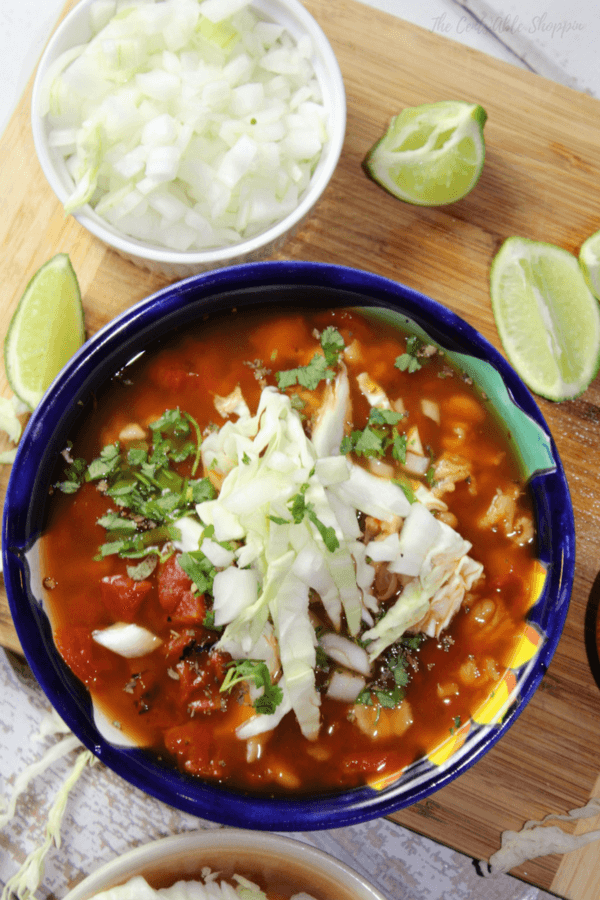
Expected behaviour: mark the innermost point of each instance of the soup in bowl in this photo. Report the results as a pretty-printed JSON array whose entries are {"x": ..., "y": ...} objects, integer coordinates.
[
  {"x": 290, "y": 531},
  {"x": 225, "y": 863}
]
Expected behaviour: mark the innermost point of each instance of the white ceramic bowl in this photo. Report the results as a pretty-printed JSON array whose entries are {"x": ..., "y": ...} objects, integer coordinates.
[
  {"x": 280, "y": 861},
  {"x": 75, "y": 29}
]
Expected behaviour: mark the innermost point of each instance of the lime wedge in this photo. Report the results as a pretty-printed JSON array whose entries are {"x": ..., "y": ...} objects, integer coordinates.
[
  {"x": 589, "y": 260},
  {"x": 547, "y": 318},
  {"x": 45, "y": 330},
  {"x": 431, "y": 154}
]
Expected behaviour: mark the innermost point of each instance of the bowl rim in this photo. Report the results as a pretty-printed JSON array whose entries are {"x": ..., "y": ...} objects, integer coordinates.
[
  {"x": 202, "y": 292},
  {"x": 276, "y": 847},
  {"x": 335, "y": 92}
]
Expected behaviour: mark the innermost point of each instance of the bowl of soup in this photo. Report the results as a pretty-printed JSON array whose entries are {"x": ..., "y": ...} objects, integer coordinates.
[
  {"x": 224, "y": 864},
  {"x": 288, "y": 545}
]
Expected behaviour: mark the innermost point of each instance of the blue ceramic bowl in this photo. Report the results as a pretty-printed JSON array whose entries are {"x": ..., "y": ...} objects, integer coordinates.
[{"x": 293, "y": 283}]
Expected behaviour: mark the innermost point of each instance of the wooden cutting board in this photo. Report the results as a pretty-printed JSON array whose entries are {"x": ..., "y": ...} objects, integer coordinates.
[{"x": 541, "y": 181}]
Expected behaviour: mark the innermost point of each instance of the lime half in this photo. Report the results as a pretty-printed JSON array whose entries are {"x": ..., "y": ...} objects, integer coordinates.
[
  {"x": 430, "y": 155},
  {"x": 547, "y": 318},
  {"x": 589, "y": 260},
  {"x": 45, "y": 331}
]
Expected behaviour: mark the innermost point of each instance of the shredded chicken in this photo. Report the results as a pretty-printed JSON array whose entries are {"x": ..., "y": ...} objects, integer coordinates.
[
  {"x": 449, "y": 470},
  {"x": 502, "y": 512},
  {"x": 376, "y": 529},
  {"x": 448, "y": 599},
  {"x": 232, "y": 404}
]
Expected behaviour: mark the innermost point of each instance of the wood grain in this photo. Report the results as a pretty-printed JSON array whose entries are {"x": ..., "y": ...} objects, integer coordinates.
[{"x": 540, "y": 181}]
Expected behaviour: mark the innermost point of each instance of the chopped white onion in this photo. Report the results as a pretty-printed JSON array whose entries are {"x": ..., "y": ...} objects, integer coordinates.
[
  {"x": 374, "y": 393},
  {"x": 346, "y": 652},
  {"x": 191, "y": 531},
  {"x": 219, "y": 556},
  {"x": 211, "y": 113},
  {"x": 431, "y": 409},
  {"x": 416, "y": 464},
  {"x": 234, "y": 590},
  {"x": 414, "y": 442},
  {"x": 127, "y": 639},
  {"x": 384, "y": 550},
  {"x": 345, "y": 687}
]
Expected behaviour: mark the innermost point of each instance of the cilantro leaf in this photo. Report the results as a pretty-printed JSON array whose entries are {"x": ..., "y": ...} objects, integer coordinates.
[
  {"x": 105, "y": 464},
  {"x": 113, "y": 522},
  {"x": 389, "y": 699},
  {"x": 257, "y": 671},
  {"x": 299, "y": 508},
  {"x": 332, "y": 343},
  {"x": 200, "y": 569},
  {"x": 139, "y": 544},
  {"x": 73, "y": 477},
  {"x": 364, "y": 698},
  {"x": 409, "y": 361},
  {"x": 379, "y": 416},
  {"x": 399, "y": 672},
  {"x": 202, "y": 489},
  {"x": 278, "y": 520},
  {"x": 369, "y": 442},
  {"x": 308, "y": 376},
  {"x": 327, "y": 532},
  {"x": 412, "y": 641},
  {"x": 406, "y": 486},
  {"x": 137, "y": 456},
  {"x": 346, "y": 446},
  {"x": 399, "y": 442},
  {"x": 172, "y": 420}
]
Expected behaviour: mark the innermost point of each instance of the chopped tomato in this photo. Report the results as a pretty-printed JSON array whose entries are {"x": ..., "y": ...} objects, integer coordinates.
[
  {"x": 172, "y": 584},
  {"x": 194, "y": 748},
  {"x": 122, "y": 596},
  {"x": 200, "y": 679},
  {"x": 190, "y": 610},
  {"x": 192, "y": 677},
  {"x": 218, "y": 662},
  {"x": 178, "y": 641},
  {"x": 81, "y": 653},
  {"x": 144, "y": 688}
]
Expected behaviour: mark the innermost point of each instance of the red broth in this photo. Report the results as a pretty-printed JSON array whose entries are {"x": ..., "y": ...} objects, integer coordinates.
[{"x": 450, "y": 677}]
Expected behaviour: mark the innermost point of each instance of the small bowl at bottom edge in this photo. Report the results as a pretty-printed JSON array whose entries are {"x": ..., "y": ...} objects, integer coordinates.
[{"x": 277, "y": 862}]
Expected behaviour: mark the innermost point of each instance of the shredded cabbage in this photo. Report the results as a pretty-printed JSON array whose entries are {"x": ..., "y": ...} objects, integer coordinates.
[
  {"x": 26, "y": 881},
  {"x": 542, "y": 839},
  {"x": 289, "y": 505},
  {"x": 10, "y": 423},
  {"x": 210, "y": 886}
]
